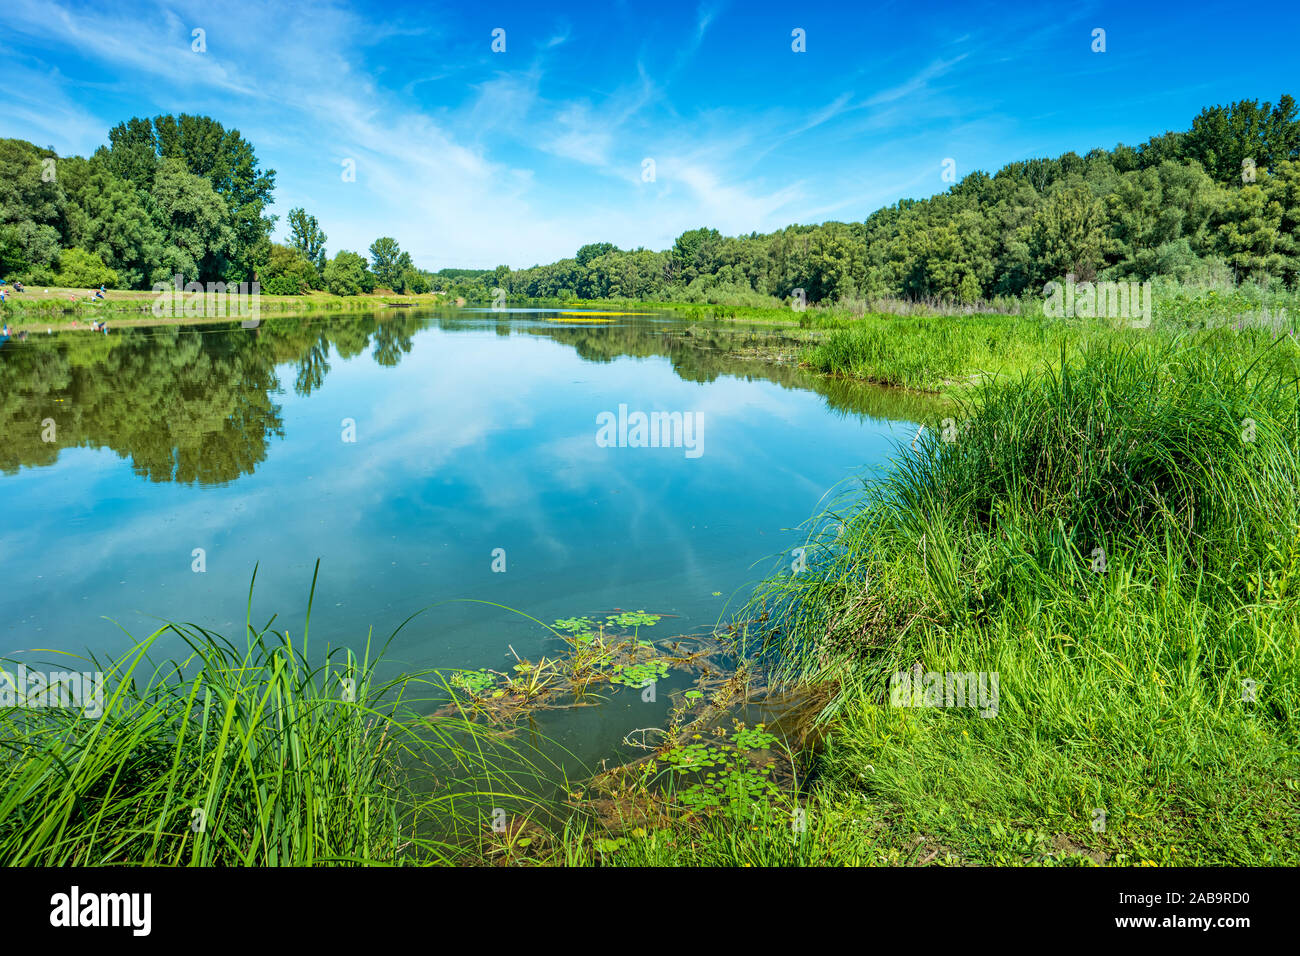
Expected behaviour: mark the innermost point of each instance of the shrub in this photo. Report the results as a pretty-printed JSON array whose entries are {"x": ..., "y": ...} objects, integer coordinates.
[{"x": 78, "y": 268}]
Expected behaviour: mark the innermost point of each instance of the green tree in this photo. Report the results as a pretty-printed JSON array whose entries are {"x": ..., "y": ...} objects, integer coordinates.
[
  {"x": 132, "y": 153},
  {"x": 594, "y": 250},
  {"x": 693, "y": 253},
  {"x": 81, "y": 269},
  {"x": 230, "y": 165},
  {"x": 1282, "y": 188},
  {"x": 1066, "y": 235},
  {"x": 348, "y": 274},
  {"x": 31, "y": 209},
  {"x": 107, "y": 216},
  {"x": 836, "y": 262},
  {"x": 196, "y": 223},
  {"x": 287, "y": 272},
  {"x": 306, "y": 235},
  {"x": 1223, "y": 138},
  {"x": 414, "y": 281},
  {"x": 1249, "y": 230},
  {"x": 140, "y": 149},
  {"x": 386, "y": 256},
  {"x": 1151, "y": 210}
]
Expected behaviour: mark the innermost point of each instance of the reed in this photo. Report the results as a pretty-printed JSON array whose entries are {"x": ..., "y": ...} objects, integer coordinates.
[{"x": 254, "y": 753}]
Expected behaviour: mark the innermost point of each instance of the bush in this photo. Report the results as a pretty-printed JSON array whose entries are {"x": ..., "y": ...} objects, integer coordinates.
[
  {"x": 348, "y": 274},
  {"x": 287, "y": 272},
  {"x": 283, "y": 285},
  {"x": 78, "y": 268}
]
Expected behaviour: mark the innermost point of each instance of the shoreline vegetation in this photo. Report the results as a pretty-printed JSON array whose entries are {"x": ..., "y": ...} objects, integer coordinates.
[
  {"x": 932, "y": 347},
  {"x": 57, "y": 308}
]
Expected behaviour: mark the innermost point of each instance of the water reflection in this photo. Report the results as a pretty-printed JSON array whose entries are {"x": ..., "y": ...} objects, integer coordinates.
[{"x": 197, "y": 404}]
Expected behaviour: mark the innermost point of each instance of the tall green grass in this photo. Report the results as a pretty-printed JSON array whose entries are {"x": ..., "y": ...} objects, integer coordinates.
[
  {"x": 1117, "y": 536},
  {"x": 947, "y": 352},
  {"x": 250, "y": 754},
  {"x": 937, "y": 352}
]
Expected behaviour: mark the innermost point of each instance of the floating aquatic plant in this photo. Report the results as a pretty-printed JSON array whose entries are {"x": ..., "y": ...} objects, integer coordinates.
[
  {"x": 726, "y": 778},
  {"x": 638, "y": 675}
]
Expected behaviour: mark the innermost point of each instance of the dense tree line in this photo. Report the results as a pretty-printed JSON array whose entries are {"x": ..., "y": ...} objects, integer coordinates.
[
  {"x": 168, "y": 196},
  {"x": 183, "y": 195},
  {"x": 1219, "y": 201},
  {"x": 175, "y": 195}
]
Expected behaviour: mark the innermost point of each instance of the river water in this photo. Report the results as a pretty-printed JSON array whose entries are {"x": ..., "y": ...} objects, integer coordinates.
[{"x": 486, "y": 462}]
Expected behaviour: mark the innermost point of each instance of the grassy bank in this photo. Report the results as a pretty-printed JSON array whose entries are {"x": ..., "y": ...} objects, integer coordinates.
[
  {"x": 941, "y": 352},
  {"x": 58, "y": 307},
  {"x": 944, "y": 353},
  {"x": 1119, "y": 541}
]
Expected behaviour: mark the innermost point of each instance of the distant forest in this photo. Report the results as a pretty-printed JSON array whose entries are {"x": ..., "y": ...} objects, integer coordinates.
[{"x": 1219, "y": 202}]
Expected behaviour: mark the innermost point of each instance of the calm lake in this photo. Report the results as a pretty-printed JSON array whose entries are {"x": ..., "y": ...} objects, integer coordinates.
[{"x": 421, "y": 456}]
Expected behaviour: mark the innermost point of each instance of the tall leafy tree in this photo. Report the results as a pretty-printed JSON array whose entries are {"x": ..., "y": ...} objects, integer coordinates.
[
  {"x": 205, "y": 149},
  {"x": 196, "y": 222},
  {"x": 387, "y": 263},
  {"x": 594, "y": 250},
  {"x": 32, "y": 206},
  {"x": 1222, "y": 138},
  {"x": 1283, "y": 188},
  {"x": 306, "y": 235},
  {"x": 1066, "y": 235},
  {"x": 132, "y": 152},
  {"x": 1249, "y": 230},
  {"x": 105, "y": 215}
]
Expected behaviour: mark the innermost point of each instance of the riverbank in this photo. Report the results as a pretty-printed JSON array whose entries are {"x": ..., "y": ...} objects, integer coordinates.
[
  {"x": 1109, "y": 551},
  {"x": 60, "y": 309}
]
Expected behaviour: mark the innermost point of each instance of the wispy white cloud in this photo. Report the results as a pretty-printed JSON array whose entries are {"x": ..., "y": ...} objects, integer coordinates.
[{"x": 472, "y": 158}]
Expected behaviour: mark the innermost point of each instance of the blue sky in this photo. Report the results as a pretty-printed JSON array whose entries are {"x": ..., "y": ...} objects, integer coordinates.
[{"x": 474, "y": 158}]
